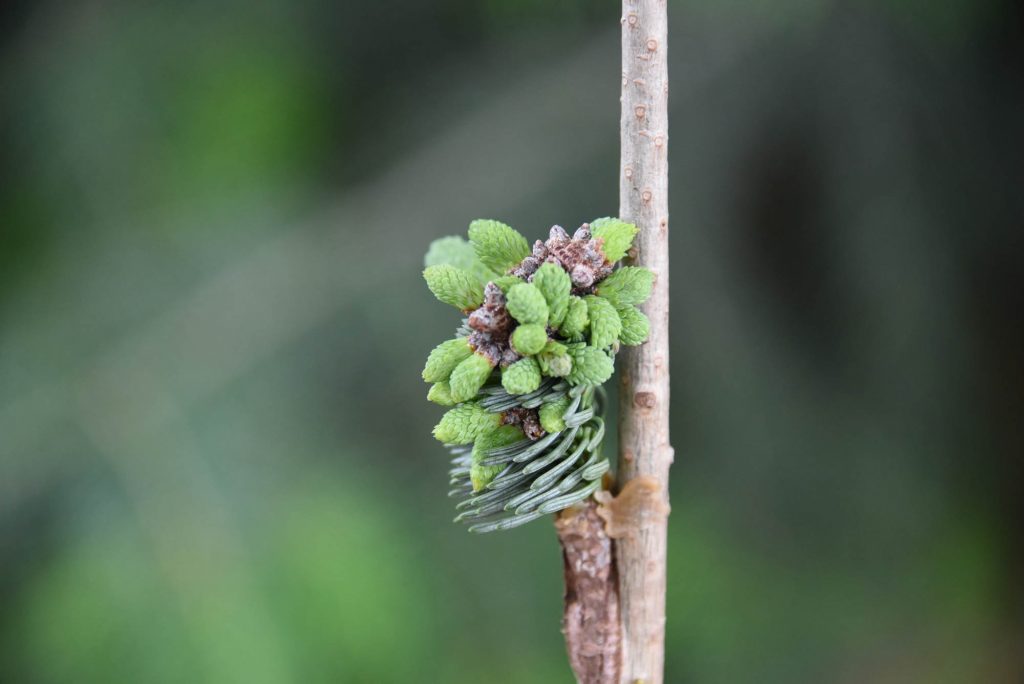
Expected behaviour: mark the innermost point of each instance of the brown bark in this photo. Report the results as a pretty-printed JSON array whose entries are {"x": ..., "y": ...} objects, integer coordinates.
[{"x": 590, "y": 622}]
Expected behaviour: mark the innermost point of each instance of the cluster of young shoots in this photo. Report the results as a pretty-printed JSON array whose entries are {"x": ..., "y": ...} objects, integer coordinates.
[{"x": 548, "y": 316}]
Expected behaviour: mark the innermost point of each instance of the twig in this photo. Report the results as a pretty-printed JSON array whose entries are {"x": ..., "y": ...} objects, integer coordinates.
[{"x": 645, "y": 454}]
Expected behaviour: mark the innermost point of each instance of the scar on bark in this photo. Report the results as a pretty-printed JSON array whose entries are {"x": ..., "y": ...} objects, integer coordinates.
[{"x": 639, "y": 503}]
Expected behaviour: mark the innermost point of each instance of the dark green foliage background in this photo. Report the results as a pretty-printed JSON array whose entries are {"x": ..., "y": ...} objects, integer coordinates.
[{"x": 215, "y": 451}]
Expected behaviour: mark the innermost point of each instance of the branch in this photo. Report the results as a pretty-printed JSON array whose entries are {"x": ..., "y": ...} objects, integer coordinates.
[
  {"x": 591, "y": 619},
  {"x": 645, "y": 454}
]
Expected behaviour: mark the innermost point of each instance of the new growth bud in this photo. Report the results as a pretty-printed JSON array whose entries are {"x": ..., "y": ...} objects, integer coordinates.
[
  {"x": 527, "y": 304},
  {"x": 469, "y": 376},
  {"x": 498, "y": 246},
  {"x": 522, "y": 377},
  {"x": 635, "y": 326},
  {"x": 444, "y": 358},
  {"x": 604, "y": 322},
  {"x": 529, "y": 339},
  {"x": 556, "y": 285},
  {"x": 462, "y": 424},
  {"x": 616, "y": 236},
  {"x": 627, "y": 286},
  {"x": 576, "y": 320},
  {"x": 454, "y": 286}
]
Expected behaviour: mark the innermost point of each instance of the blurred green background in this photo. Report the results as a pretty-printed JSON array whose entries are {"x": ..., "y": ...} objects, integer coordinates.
[{"x": 215, "y": 451}]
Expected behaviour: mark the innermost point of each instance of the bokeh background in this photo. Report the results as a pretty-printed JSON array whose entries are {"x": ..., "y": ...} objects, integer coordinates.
[{"x": 215, "y": 452}]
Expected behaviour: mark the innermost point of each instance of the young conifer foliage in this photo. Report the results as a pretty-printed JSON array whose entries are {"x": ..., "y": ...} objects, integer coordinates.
[{"x": 524, "y": 374}]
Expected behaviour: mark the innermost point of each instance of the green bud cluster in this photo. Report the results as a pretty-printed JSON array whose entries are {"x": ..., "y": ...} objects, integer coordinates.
[
  {"x": 545, "y": 323},
  {"x": 547, "y": 314}
]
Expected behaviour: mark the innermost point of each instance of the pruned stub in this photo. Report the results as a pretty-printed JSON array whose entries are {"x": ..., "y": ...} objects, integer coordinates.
[{"x": 590, "y": 621}]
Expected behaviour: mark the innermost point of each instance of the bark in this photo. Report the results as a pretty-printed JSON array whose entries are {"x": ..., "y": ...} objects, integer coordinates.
[
  {"x": 590, "y": 622},
  {"x": 640, "y": 513}
]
